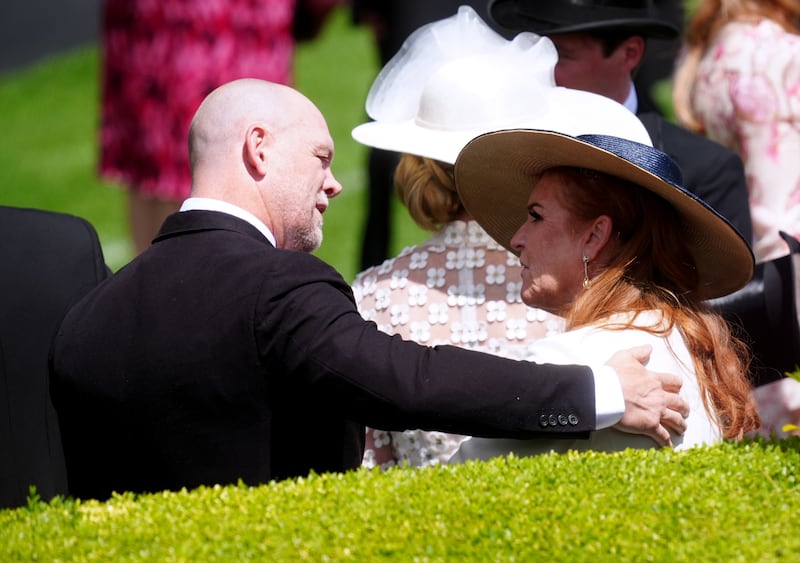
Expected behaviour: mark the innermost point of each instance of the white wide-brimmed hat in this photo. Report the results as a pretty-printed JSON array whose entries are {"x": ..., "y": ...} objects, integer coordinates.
[
  {"x": 495, "y": 174},
  {"x": 456, "y": 78}
]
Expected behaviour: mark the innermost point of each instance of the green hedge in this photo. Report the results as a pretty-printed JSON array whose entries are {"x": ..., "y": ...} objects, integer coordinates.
[{"x": 732, "y": 502}]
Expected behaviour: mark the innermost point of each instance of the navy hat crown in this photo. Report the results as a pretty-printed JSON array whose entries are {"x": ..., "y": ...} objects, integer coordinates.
[{"x": 649, "y": 158}]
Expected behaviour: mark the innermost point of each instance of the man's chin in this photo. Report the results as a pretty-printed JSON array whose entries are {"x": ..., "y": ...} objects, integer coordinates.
[{"x": 307, "y": 242}]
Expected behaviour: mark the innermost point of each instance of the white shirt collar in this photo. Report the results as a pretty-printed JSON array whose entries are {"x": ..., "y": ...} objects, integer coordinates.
[
  {"x": 632, "y": 101},
  {"x": 208, "y": 204}
]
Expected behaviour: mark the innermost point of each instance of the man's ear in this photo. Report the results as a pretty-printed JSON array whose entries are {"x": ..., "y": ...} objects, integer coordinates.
[
  {"x": 255, "y": 149},
  {"x": 597, "y": 236},
  {"x": 632, "y": 51}
]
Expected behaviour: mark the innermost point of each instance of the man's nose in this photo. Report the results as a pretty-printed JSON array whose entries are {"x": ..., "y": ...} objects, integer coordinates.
[{"x": 332, "y": 186}]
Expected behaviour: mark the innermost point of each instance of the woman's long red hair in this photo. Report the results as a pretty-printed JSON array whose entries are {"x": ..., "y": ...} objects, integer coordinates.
[{"x": 652, "y": 269}]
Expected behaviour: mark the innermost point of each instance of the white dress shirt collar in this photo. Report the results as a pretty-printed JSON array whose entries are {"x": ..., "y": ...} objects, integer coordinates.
[
  {"x": 632, "y": 101},
  {"x": 208, "y": 204}
]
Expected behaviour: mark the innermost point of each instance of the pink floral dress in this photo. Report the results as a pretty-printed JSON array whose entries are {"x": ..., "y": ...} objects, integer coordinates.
[
  {"x": 460, "y": 288},
  {"x": 160, "y": 59},
  {"x": 747, "y": 95}
]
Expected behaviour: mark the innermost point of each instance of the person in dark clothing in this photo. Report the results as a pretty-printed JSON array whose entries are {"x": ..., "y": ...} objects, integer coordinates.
[{"x": 48, "y": 261}]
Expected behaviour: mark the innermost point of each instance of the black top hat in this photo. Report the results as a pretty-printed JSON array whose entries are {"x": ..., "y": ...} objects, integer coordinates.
[{"x": 550, "y": 17}]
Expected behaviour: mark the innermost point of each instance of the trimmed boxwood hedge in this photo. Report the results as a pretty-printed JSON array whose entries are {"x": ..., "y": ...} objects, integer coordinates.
[{"x": 730, "y": 502}]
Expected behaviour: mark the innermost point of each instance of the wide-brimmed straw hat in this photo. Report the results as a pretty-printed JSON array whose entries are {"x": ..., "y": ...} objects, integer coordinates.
[
  {"x": 495, "y": 174},
  {"x": 456, "y": 78},
  {"x": 551, "y": 17}
]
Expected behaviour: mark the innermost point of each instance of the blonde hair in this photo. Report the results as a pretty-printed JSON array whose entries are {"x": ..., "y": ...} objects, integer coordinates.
[
  {"x": 653, "y": 269},
  {"x": 701, "y": 31},
  {"x": 428, "y": 189}
]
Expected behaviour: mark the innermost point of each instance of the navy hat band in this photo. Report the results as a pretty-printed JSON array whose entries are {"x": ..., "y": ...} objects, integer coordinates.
[{"x": 652, "y": 160}]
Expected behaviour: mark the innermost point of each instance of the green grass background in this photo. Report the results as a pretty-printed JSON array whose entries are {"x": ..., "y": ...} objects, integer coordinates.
[{"x": 49, "y": 116}]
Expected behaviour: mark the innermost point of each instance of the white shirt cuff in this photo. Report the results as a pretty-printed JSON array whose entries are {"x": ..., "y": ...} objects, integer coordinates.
[{"x": 608, "y": 399}]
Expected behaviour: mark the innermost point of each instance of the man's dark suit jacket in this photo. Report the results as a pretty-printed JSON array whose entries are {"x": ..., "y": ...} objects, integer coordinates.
[
  {"x": 710, "y": 171},
  {"x": 214, "y": 357},
  {"x": 48, "y": 261}
]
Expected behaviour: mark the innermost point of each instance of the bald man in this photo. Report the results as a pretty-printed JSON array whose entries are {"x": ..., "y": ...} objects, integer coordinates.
[{"x": 227, "y": 351}]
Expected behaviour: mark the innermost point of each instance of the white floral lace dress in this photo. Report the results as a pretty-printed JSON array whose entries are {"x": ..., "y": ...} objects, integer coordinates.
[{"x": 461, "y": 288}]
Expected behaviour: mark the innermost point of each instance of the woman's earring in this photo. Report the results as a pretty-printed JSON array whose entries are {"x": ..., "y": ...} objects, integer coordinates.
[{"x": 585, "y": 270}]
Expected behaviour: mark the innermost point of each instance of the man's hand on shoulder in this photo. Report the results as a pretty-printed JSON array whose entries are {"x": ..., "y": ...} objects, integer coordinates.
[{"x": 652, "y": 403}]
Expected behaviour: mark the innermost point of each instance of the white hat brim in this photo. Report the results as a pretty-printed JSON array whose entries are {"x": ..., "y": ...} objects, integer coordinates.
[{"x": 568, "y": 111}]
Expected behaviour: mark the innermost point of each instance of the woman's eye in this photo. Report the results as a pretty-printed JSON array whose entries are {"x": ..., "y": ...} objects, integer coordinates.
[{"x": 534, "y": 216}]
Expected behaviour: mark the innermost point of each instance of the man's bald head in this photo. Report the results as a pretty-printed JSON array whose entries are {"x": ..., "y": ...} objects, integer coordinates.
[
  {"x": 265, "y": 148},
  {"x": 224, "y": 115}
]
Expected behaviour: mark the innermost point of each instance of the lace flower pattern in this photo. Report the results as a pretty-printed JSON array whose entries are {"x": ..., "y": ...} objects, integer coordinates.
[{"x": 460, "y": 288}]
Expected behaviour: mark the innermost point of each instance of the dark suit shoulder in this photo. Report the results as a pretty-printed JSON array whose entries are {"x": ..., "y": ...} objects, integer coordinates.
[
  {"x": 44, "y": 246},
  {"x": 685, "y": 145},
  {"x": 711, "y": 171},
  {"x": 303, "y": 269},
  {"x": 48, "y": 228}
]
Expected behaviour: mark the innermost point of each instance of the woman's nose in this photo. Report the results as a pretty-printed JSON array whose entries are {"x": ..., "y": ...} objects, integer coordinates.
[{"x": 518, "y": 240}]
